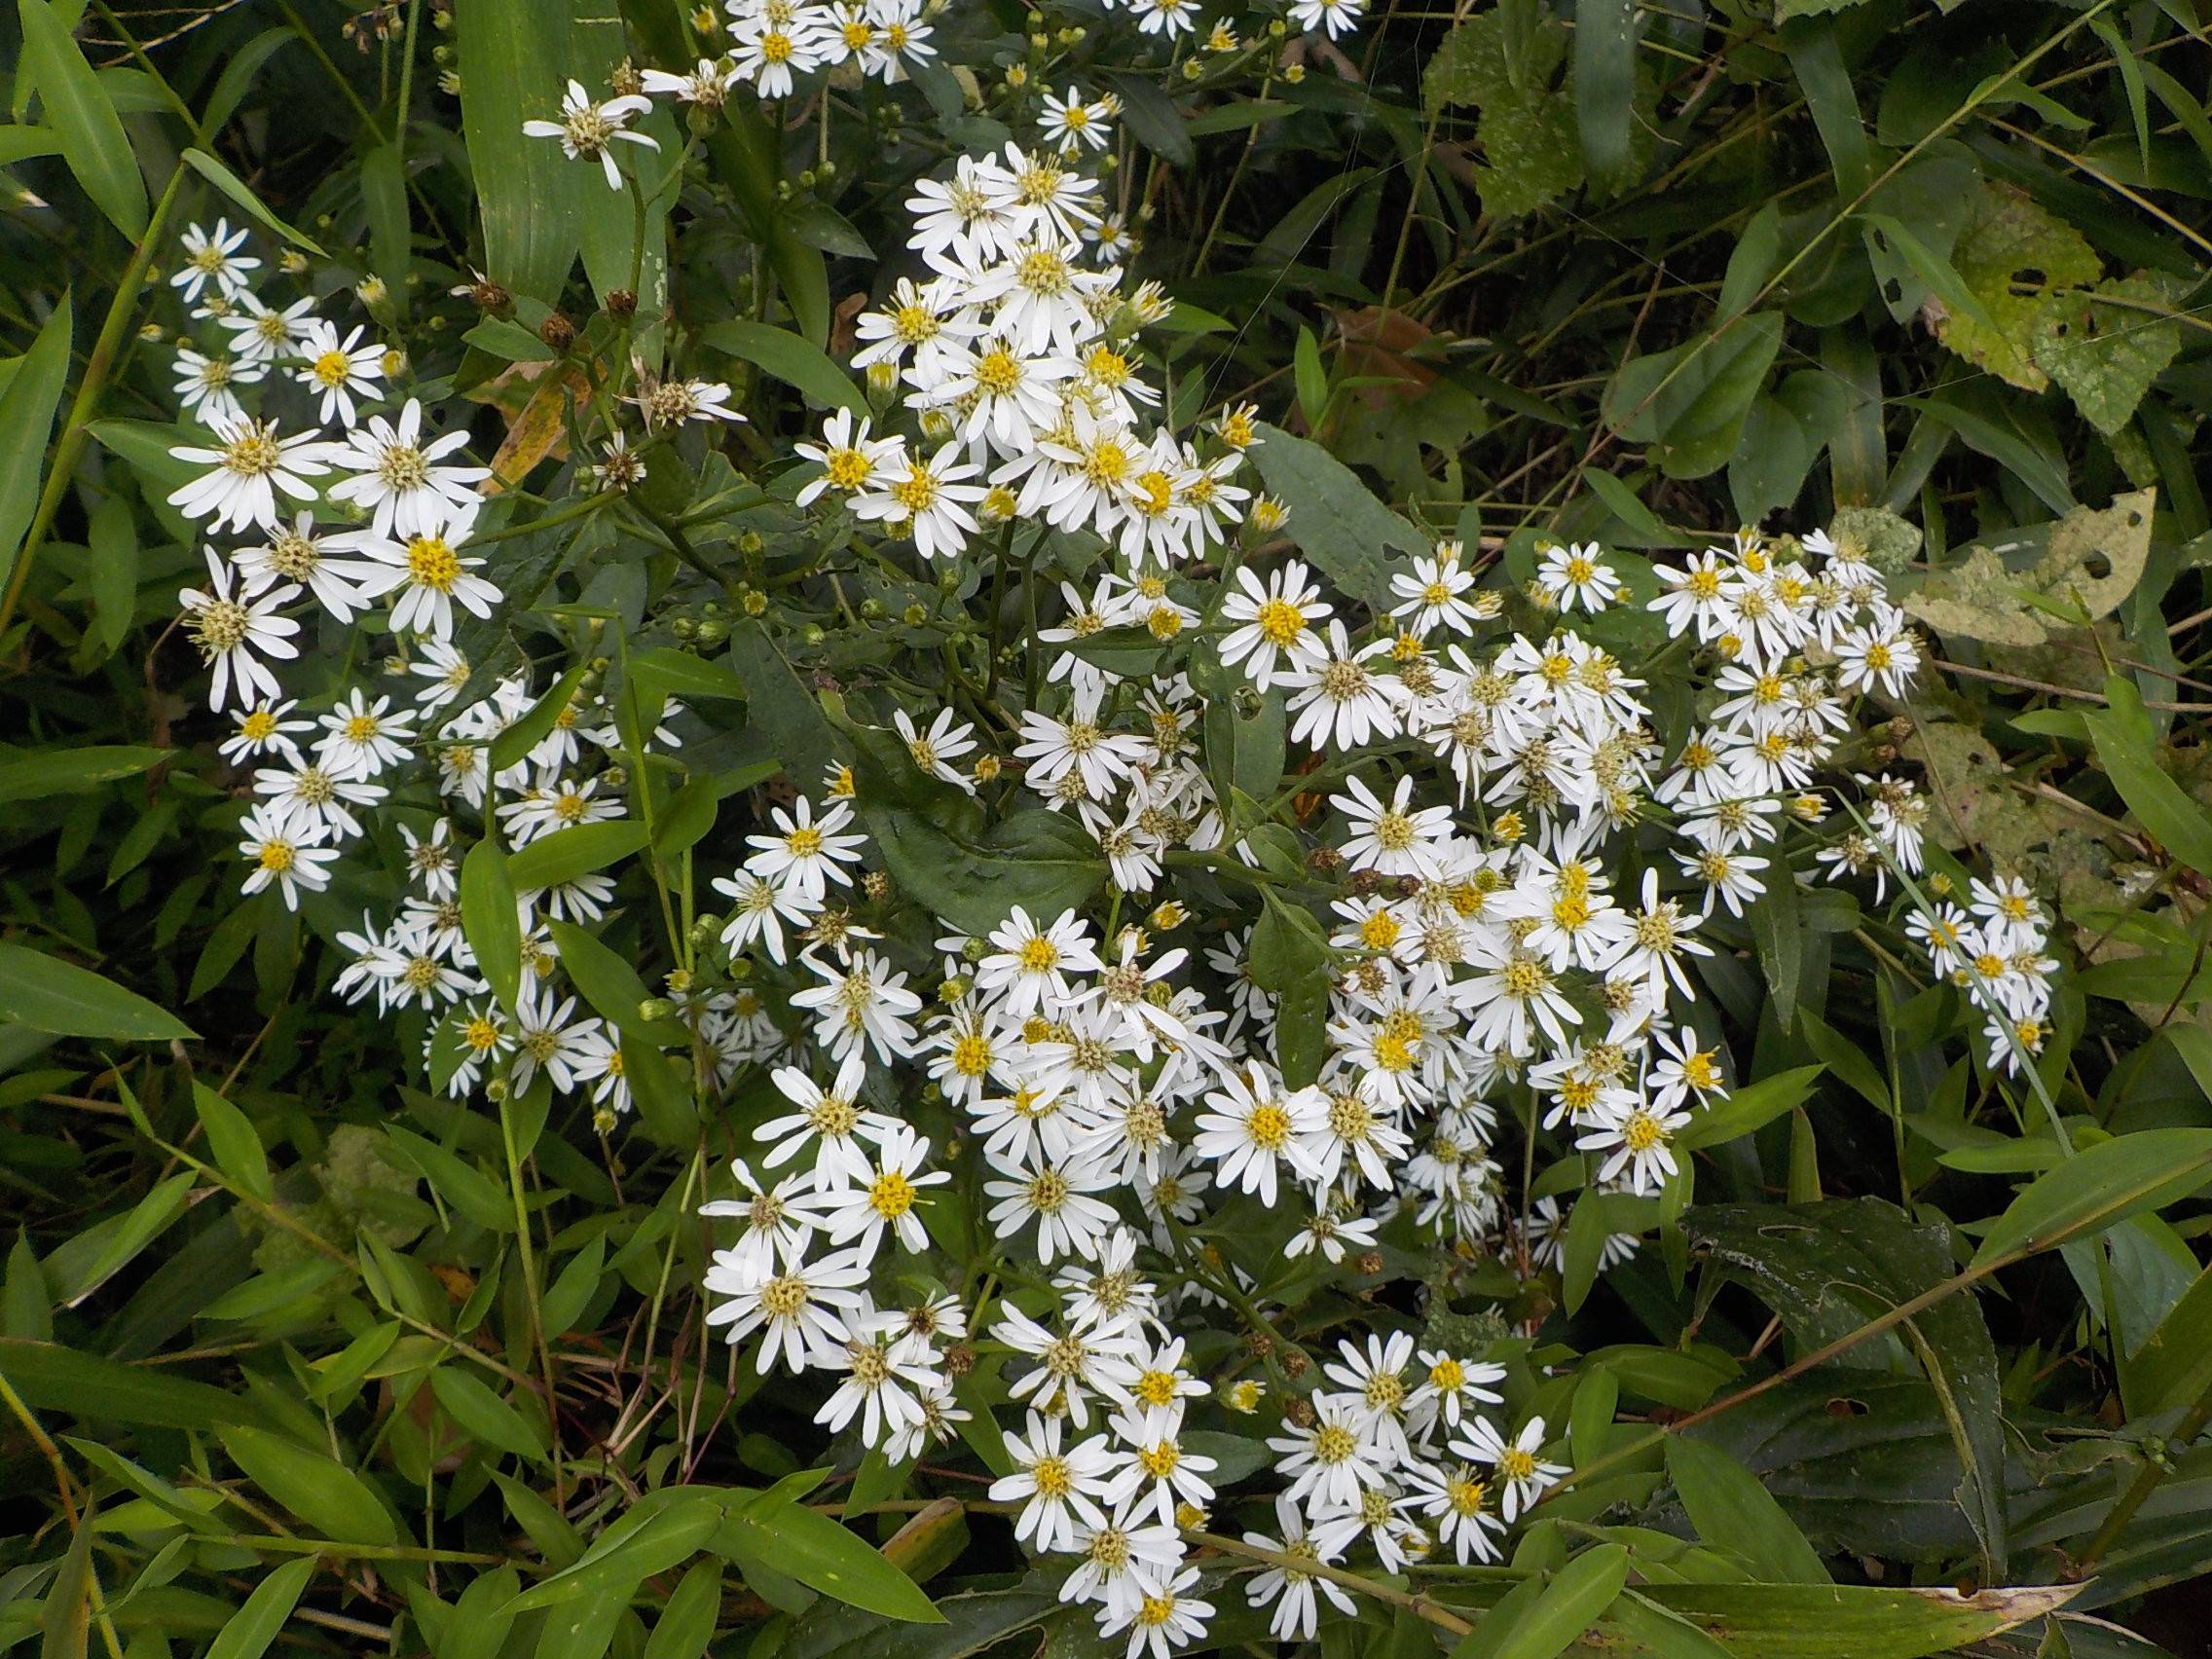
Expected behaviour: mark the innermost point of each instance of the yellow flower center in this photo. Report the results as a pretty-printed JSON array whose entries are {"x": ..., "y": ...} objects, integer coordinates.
[
  {"x": 891, "y": 1195},
  {"x": 1279, "y": 623},
  {"x": 432, "y": 564}
]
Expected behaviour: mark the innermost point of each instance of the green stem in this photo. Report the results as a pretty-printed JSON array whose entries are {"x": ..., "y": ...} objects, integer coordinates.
[
  {"x": 99, "y": 367},
  {"x": 530, "y": 1282},
  {"x": 2140, "y": 1489}
]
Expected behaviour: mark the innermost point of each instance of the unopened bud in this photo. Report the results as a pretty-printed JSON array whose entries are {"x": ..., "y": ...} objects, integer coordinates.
[{"x": 557, "y": 331}]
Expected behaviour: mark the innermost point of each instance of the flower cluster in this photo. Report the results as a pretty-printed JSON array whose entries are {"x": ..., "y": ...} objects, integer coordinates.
[
  {"x": 776, "y": 48},
  {"x": 1031, "y": 1165},
  {"x": 1994, "y": 949}
]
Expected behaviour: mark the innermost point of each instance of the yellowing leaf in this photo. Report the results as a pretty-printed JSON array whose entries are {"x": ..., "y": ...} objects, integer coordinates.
[
  {"x": 2090, "y": 561},
  {"x": 1510, "y": 62},
  {"x": 2011, "y": 256},
  {"x": 2106, "y": 355}
]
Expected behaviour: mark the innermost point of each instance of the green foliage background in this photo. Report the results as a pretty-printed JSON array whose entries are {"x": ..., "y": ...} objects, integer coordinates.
[{"x": 276, "y": 1326}]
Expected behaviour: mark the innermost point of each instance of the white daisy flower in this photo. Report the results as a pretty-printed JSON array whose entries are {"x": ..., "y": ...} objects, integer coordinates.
[
  {"x": 588, "y": 129},
  {"x": 285, "y": 851},
  {"x": 338, "y": 370},
  {"x": 214, "y": 257},
  {"x": 234, "y": 631},
  {"x": 400, "y": 480},
  {"x": 246, "y": 472}
]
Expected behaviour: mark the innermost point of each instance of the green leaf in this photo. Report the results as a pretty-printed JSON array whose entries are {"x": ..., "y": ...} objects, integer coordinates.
[
  {"x": 249, "y": 1630},
  {"x": 1584, "y": 1249},
  {"x": 47, "y": 994},
  {"x": 1333, "y": 518},
  {"x": 111, "y": 581},
  {"x": 1780, "y": 942},
  {"x": 231, "y": 1139},
  {"x": 490, "y": 921},
  {"x": 792, "y": 359},
  {"x": 241, "y": 193},
  {"x": 1540, "y": 1617},
  {"x": 1827, "y": 1267},
  {"x": 480, "y": 1622},
  {"x": 513, "y": 744},
  {"x": 2100, "y": 1187},
  {"x": 27, "y": 143},
  {"x": 1590, "y": 1422},
  {"x": 478, "y": 1196},
  {"x": 504, "y": 338},
  {"x": 26, "y": 416},
  {"x": 1310, "y": 379},
  {"x": 1750, "y": 264},
  {"x": 644, "y": 1542},
  {"x": 121, "y": 1240},
  {"x": 1818, "y": 60},
  {"x": 923, "y": 831},
  {"x": 520, "y": 55},
  {"x": 65, "y": 1617},
  {"x": 1689, "y": 403},
  {"x": 146, "y": 1484},
  {"x": 242, "y": 68},
  {"x": 687, "y": 1624},
  {"x": 73, "y": 771},
  {"x": 1152, "y": 118},
  {"x": 281, "y": 1292},
  {"x": 570, "y": 1294},
  {"x": 384, "y": 193},
  {"x": 482, "y": 1415},
  {"x": 1604, "y": 86},
  {"x": 1888, "y": 237},
  {"x": 56, "y": 1379},
  {"x": 1835, "y": 1621},
  {"x": 1847, "y": 1060},
  {"x": 561, "y": 857},
  {"x": 610, "y": 983},
  {"x": 1290, "y": 956},
  {"x": 2159, "y": 804},
  {"x": 665, "y": 672},
  {"x": 320, "y": 1491},
  {"x": 82, "y": 114},
  {"x": 2173, "y": 1367},
  {"x": 1749, "y": 1108},
  {"x": 1732, "y": 1511},
  {"x": 813, "y": 1548}
]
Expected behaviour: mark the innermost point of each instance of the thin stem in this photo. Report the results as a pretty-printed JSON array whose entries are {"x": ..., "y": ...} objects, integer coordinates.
[
  {"x": 529, "y": 1284},
  {"x": 1412, "y": 1600},
  {"x": 98, "y": 366},
  {"x": 2139, "y": 1489}
]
